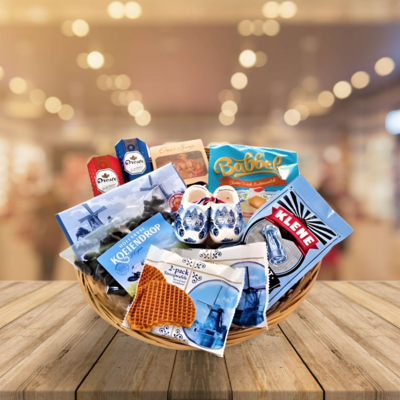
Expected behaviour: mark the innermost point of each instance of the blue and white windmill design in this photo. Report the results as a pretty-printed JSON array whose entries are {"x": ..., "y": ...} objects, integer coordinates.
[{"x": 93, "y": 217}]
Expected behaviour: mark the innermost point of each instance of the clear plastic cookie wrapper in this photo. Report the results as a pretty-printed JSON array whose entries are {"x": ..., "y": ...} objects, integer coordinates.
[
  {"x": 253, "y": 303},
  {"x": 298, "y": 228}
]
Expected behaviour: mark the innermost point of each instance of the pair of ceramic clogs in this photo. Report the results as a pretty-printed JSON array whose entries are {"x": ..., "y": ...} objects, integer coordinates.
[{"x": 201, "y": 213}]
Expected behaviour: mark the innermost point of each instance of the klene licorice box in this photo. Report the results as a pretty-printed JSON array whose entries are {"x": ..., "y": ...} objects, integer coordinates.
[{"x": 84, "y": 218}]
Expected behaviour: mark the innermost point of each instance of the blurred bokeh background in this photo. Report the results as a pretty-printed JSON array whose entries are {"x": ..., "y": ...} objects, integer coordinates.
[{"x": 318, "y": 77}]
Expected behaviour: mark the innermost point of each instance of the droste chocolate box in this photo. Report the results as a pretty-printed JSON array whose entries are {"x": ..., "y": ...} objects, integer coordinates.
[{"x": 84, "y": 218}]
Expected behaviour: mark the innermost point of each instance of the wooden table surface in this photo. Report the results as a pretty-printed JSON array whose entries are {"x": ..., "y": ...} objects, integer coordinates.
[{"x": 343, "y": 342}]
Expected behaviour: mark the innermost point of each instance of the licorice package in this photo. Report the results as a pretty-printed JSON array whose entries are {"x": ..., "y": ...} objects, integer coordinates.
[{"x": 299, "y": 228}]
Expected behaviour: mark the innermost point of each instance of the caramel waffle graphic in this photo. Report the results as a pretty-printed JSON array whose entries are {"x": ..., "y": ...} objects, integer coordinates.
[{"x": 158, "y": 302}]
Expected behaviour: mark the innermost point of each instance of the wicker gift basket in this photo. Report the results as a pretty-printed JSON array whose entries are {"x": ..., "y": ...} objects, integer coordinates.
[{"x": 287, "y": 304}]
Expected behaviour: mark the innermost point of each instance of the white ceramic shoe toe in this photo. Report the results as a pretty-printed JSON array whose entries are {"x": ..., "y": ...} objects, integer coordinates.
[
  {"x": 226, "y": 221},
  {"x": 192, "y": 222}
]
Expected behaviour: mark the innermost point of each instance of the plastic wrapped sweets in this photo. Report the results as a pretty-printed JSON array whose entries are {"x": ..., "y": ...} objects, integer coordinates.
[
  {"x": 250, "y": 311},
  {"x": 299, "y": 228},
  {"x": 214, "y": 291}
]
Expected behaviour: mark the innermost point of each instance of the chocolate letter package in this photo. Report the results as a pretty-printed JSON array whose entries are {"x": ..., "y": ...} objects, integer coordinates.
[
  {"x": 251, "y": 309},
  {"x": 215, "y": 290},
  {"x": 299, "y": 228},
  {"x": 84, "y": 218},
  {"x": 256, "y": 173}
]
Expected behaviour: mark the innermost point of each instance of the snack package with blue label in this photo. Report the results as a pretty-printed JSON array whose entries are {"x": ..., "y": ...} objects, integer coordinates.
[
  {"x": 298, "y": 228},
  {"x": 256, "y": 173},
  {"x": 79, "y": 221},
  {"x": 214, "y": 289},
  {"x": 134, "y": 158},
  {"x": 250, "y": 312},
  {"x": 85, "y": 254},
  {"x": 125, "y": 260}
]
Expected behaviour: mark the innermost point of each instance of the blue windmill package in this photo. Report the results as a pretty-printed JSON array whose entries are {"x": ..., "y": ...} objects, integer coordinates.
[
  {"x": 78, "y": 221},
  {"x": 299, "y": 228},
  {"x": 215, "y": 289},
  {"x": 133, "y": 157}
]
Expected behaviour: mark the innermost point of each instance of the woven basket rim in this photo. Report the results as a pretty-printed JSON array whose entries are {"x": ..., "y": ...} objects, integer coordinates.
[{"x": 98, "y": 300}]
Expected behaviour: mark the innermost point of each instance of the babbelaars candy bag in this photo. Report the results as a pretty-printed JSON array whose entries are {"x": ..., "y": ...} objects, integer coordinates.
[
  {"x": 257, "y": 173},
  {"x": 299, "y": 228}
]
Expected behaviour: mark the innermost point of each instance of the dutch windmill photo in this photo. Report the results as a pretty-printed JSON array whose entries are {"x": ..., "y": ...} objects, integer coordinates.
[
  {"x": 250, "y": 309},
  {"x": 212, "y": 332}
]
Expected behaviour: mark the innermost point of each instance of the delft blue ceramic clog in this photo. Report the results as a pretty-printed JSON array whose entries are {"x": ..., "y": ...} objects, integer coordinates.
[
  {"x": 192, "y": 222},
  {"x": 226, "y": 222}
]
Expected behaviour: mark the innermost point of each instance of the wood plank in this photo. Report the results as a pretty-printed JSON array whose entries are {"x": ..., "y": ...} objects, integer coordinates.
[
  {"x": 268, "y": 367},
  {"x": 55, "y": 369},
  {"x": 129, "y": 369},
  {"x": 383, "y": 308},
  {"x": 21, "y": 336},
  {"x": 342, "y": 366},
  {"x": 379, "y": 337},
  {"x": 13, "y": 310},
  {"x": 15, "y": 290},
  {"x": 383, "y": 289},
  {"x": 199, "y": 375}
]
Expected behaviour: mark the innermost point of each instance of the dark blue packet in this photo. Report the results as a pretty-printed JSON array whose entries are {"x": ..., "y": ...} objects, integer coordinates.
[{"x": 134, "y": 158}]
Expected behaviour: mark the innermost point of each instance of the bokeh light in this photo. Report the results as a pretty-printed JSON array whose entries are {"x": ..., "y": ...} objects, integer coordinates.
[
  {"x": 245, "y": 27},
  {"x": 360, "y": 80},
  {"x": 287, "y": 9},
  {"x": 342, "y": 90},
  {"x": 66, "y": 28},
  {"x": 135, "y": 107},
  {"x": 81, "y": 60},
  {"x": 226, "y": 119},
  {"x": 143, "y": 118},
  {"x": 1, "y": 73},
  {"x": 229, "y": 107},
  {"x": 258, "y": 27},
  {"x": 384, "y": 66},
  {"x": 133, "y": 10},
  {"x": 292, "y": 117},
  {"x": 239, "y": 80},
  {"x": 303, "y": 110},
  {"x": 18, "y": 85},
  {"x": 122, "y": 82},
  {"x": 95, "y": 60},
  {"x": 80, "y": 28},
  {"x": 116, "y": 10},
  {"x": 37, "y": 97},
  {"x": 261, "y": 59},
  {"x": 247, "y": 58},
  {"x": 53, "y": 105},
  {"x": 270, "y": 9},
  {"x": 66, "y": 112},
  {"x": 326, "y": 99},
  {"x": 271, "y": 27}
]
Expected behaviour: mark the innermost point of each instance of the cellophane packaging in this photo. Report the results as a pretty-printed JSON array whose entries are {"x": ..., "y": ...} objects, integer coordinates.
[
  {"x": 84, "y": 254},
  {"x": 299, "y": 228},
  {"x": 215, "y": 291},
  {"x": 250, "y": 312},
  {"x": 257, "y": 173}
]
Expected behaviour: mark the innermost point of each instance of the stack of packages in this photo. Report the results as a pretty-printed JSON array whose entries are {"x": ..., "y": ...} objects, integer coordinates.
[{"x": 197, "y": 248}]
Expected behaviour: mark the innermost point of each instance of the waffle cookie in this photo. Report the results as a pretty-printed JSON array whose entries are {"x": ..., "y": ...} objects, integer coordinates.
[
  {"x": 159, "y": 303},
  {"x": 150, "y": 273}
]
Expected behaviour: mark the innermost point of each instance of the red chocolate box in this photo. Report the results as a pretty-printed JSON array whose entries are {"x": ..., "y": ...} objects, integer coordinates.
[{"x": 105, "y": 174}]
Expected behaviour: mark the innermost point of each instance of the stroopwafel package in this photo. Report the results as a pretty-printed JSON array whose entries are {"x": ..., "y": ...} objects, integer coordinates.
[
  {"x": 299, "y": 228},
  {"x": 214, "y": 289},
  {"x": 257, "y": 173},
  {"x": 252, "y": 306}
]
